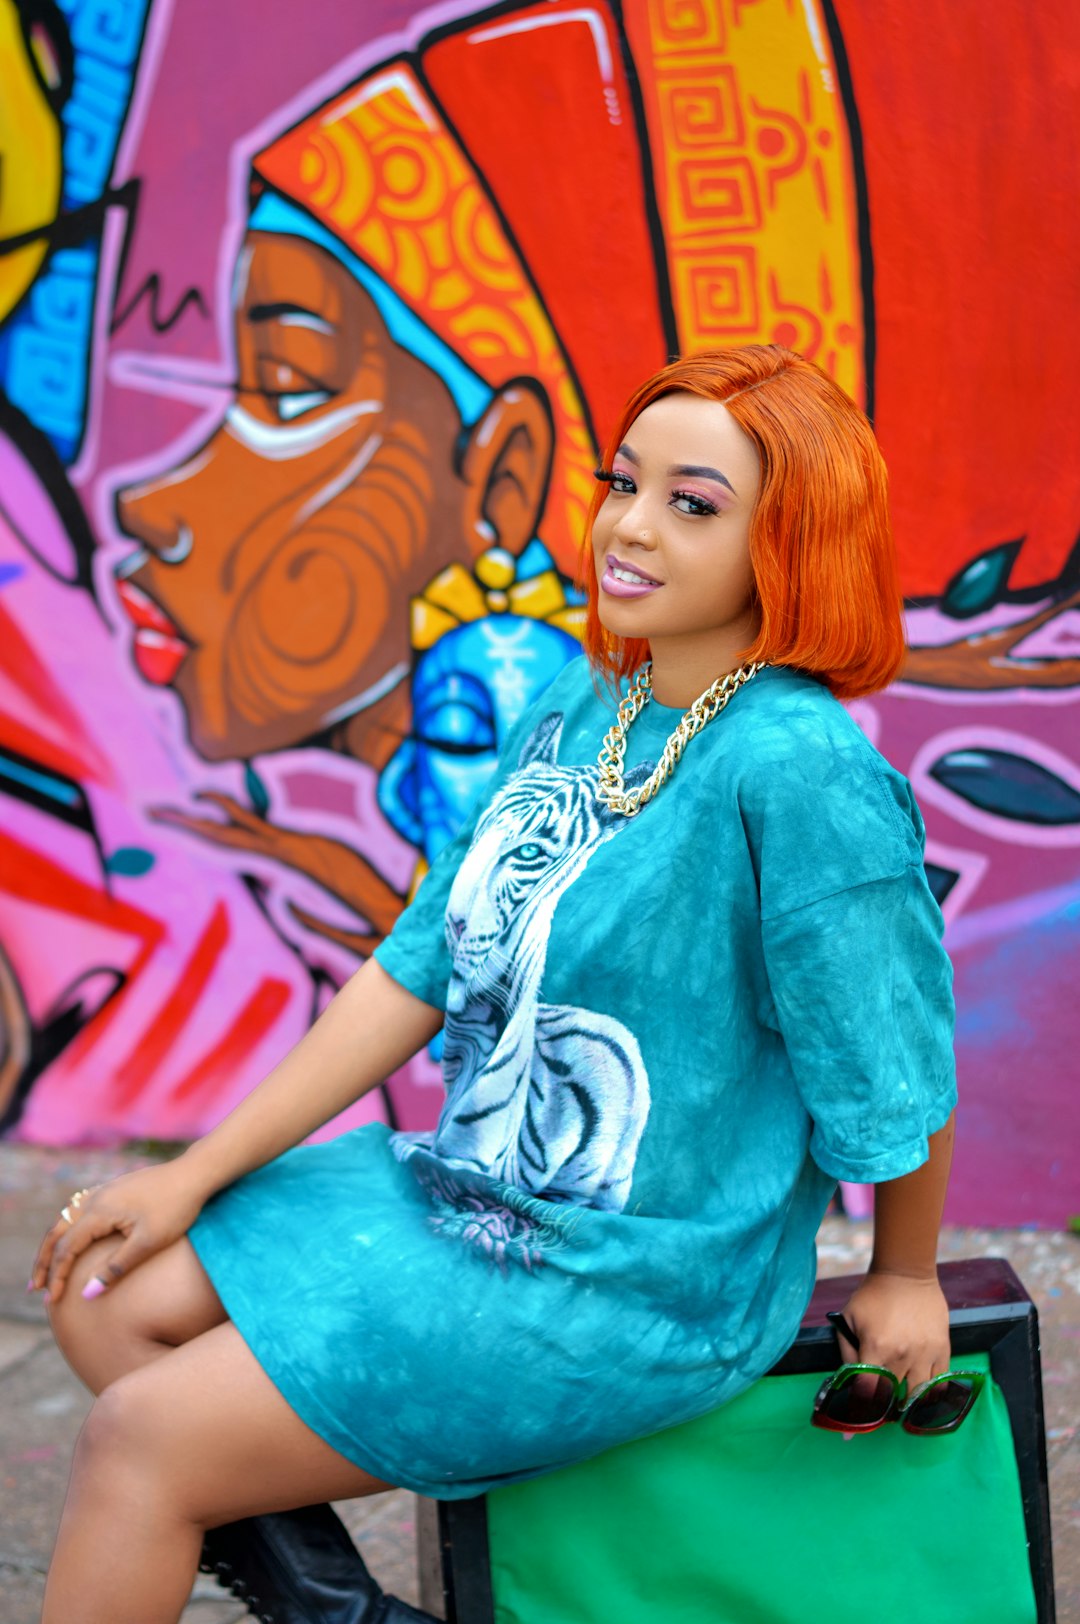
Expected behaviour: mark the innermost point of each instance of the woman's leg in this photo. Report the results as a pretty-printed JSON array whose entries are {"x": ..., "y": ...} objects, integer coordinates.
[
  {"x": 196, "y": 1436},
  {"x": 164, "y": 1302},
  {"x": 300, "y": 1562}
]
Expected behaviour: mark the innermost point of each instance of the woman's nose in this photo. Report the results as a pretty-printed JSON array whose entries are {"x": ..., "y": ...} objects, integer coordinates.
[
  {"x": 635, "y": 525},
  {"x": 146, "y": 513}
]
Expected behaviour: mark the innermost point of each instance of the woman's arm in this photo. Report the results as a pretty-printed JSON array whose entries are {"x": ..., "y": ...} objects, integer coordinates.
[
  {"x": 369, "y": 1029},
  {"x": 907, "y": 1213},
  {"x": 899, "y": 1312}
]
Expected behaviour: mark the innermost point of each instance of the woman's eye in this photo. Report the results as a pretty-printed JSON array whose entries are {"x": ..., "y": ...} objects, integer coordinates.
[
  {"x": 295, "y": 405},
  {"x": 694, "y": 504},
  {"x": 622, "y": 483}
]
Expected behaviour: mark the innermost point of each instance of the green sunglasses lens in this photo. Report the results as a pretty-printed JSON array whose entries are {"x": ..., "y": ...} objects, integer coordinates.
[
  {"x": 941, "y": 1406},
  {"x": 859, "y": 1399}
]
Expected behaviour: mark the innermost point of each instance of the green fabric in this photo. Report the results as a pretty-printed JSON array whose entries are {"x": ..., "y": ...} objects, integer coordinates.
[{"x": 751, "y": 1516}]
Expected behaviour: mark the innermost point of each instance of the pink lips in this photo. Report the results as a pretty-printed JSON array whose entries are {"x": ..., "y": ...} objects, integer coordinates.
[{"x": 610, "y": 583}]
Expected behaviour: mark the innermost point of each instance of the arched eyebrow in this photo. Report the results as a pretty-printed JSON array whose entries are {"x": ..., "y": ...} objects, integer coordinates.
[
  {"x": 683, "y": 470},
  {"x": 290, "y": 315},
  {"x": 691, "y": 472}
]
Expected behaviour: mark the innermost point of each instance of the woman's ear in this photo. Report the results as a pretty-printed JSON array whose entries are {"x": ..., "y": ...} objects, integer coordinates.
[{"x": 506, "y": 466}]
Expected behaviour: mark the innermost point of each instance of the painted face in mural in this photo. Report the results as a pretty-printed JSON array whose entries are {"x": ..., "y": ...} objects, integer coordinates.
[
  {"x": 279, "y": 560},
  {"x": 678, "y": 513},
  {"x": 35, "y": 77}
]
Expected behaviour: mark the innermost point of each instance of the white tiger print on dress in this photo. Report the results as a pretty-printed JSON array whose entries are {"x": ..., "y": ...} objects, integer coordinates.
[{"x": 547, "y": 1097}]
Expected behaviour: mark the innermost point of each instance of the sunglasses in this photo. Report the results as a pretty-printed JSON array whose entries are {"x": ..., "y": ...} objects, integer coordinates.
[{"x": 858, "y": 1398}]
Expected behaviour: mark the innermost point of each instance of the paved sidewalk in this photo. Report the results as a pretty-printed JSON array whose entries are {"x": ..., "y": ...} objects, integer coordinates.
[{"x": 42, "y": 1405}]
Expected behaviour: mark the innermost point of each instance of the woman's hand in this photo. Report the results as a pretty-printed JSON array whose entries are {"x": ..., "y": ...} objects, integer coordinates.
[
  {"x": 902, "y": 1322},
  {"x": 146, "y": 1210}
]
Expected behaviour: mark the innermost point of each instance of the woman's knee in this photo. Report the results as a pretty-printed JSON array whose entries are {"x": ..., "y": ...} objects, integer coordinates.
[
  {"x": 119, "y": 1439},
  {"x": 142, "y": 1447},
  {"x": 70, "y": 1317},
  {"x": 164, "y": 1301}
]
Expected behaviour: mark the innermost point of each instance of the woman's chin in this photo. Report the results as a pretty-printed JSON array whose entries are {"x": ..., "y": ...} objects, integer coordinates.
[{"x": 623, "y": 616}]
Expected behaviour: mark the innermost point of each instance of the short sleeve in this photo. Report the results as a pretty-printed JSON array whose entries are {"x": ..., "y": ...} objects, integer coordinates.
[{"x": 862, "y": 988}]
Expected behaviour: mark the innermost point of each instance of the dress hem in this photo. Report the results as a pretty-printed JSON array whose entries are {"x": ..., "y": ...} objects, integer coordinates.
[{"x": 312, "y": 1410}]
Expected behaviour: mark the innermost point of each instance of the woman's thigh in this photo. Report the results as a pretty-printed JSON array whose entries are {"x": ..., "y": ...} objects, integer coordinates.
[
  {"x": 204, "y": 1432},
  {"x": 164, "y": 1301}
]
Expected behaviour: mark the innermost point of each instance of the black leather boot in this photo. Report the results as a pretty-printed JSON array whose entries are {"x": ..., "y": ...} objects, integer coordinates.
[{"x": 300, "y": 1567}]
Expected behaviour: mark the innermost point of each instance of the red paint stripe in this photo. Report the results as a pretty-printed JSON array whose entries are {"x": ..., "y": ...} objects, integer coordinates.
[
  {"x": 49, "y": 754},
  {"x": 20, "y": 663},
  {"x": 29, "y": 876},
  {"x": 164, "y": 1028},
  {"x": 247, "y": 1031}
]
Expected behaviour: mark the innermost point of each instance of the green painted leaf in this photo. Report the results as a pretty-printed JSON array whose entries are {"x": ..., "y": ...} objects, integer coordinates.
[
  {"x": 131, "y": 860},
  {"x": 981, "y": 583},
  {"x": 1009, "y": 786},
  {"x": 258, "y": 793}
]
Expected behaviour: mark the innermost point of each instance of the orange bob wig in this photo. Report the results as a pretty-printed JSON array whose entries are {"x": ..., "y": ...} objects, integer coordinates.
[{"x": 826, "y": 583}]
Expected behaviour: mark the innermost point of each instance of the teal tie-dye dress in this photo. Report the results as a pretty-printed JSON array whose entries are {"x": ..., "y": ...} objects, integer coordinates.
[{"x": 666, "y": 1038}]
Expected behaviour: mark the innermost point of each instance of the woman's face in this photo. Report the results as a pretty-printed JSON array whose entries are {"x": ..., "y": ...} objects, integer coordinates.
[
  {"x": 276, "y": 565},
  {"x": 677, "y": 513}
]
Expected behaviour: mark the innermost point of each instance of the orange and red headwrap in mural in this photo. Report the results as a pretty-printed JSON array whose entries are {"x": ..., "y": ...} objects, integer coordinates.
[{"x": 381, "y": 168}]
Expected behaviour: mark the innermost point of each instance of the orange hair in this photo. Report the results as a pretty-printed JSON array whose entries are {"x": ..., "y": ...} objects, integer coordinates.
[{"x": 826, "y": 581}]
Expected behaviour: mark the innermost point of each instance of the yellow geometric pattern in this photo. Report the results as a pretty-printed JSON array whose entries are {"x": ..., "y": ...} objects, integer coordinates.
[
  {"x": 379, "y": 167},
  {"x": 754, "y": 176}
]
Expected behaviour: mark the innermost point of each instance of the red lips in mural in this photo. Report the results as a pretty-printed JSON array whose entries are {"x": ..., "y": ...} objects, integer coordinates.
[{"x": 159, "y": 648}]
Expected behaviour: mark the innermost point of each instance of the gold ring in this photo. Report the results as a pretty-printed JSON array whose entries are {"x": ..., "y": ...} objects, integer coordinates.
[{"x": 72, "y": 1201}]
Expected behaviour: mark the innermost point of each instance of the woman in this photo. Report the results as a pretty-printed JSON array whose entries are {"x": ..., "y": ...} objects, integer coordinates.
[{"x": 683, "y": 991}]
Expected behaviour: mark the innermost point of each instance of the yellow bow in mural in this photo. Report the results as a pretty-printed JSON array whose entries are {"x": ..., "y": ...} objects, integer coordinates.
[{"x": 455, "y": 597}]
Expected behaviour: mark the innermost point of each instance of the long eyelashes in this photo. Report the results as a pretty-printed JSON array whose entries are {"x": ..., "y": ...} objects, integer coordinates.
[
  {"x": 701, "y": 506},
  {"x": 609, "y": 476}
]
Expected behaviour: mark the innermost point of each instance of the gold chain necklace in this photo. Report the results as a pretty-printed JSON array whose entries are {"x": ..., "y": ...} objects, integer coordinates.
[{"x": 704, "y": 708}]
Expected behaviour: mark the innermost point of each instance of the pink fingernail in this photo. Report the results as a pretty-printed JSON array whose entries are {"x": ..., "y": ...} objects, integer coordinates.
[
  {"x": 93, "y": 1288},
  {"x": 46, "y": 1298},
  {"x": 30, "y": 1285}
]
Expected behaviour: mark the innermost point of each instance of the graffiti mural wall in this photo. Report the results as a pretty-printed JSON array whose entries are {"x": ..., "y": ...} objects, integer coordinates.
[{"x": 308, "y": 334}]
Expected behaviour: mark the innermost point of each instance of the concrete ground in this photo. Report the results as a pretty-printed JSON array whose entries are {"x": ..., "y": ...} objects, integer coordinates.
[{"x": 42, "y": 1405}]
